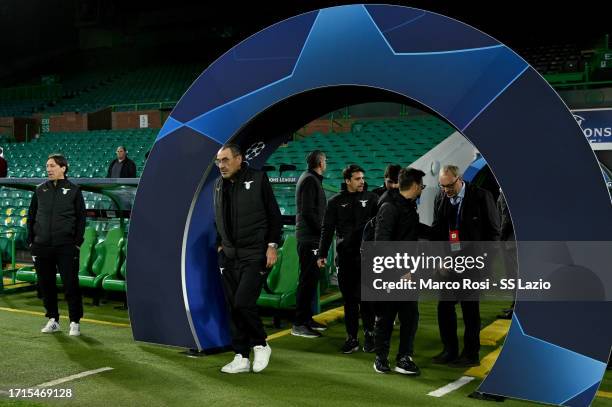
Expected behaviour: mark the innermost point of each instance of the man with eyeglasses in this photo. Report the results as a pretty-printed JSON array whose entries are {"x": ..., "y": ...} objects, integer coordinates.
[
  {"x": 463, "y": 212},
  {"x": 398, "y": 220},
  {"x": 248, "y": 223}
]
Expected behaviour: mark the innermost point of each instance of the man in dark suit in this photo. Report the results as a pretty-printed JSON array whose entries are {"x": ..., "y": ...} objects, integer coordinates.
[{"x": 463, "y": 212}]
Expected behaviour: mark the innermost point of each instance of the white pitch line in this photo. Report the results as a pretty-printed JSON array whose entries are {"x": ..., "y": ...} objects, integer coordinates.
[
  {"x": 73, "y": 377},
  {"x": 444, "y": 390}
]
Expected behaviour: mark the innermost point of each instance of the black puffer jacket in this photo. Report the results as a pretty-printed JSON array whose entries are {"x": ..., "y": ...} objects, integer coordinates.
[
  {"x": 248, "y": 203},
  {"x": 57, "y": 215}
]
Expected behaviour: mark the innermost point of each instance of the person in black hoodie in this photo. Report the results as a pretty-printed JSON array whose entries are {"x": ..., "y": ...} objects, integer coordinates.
[
  {"x": 398, "y": 220},
  {"x": 56, "y": 224},
  {"x": 310, "y": 203},
  {"x": 346, "y": 215},
  {"x": 248, "y": 224},
  {"x": 463, "y": 212}
]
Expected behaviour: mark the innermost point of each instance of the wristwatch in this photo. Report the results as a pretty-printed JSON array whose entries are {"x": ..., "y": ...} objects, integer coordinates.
[{"x": 273, "y": 245}]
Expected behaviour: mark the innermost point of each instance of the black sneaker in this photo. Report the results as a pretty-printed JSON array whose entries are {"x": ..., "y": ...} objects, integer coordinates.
[
  {"x": 304, "y": 331},
  {"x": 351, "y": 345},
  {"x": 381, "y": 365},
  {"x": 405, "y": 365},
  {"x": 316, "y": 326},
  {"x": 444, "y": 357},
  {"x": 465, "y": 361},
  {"x": 368, "y": 342}
]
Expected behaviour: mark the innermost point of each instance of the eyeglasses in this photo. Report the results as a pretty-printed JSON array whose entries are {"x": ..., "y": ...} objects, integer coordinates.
[
  {"x": 223, "y": 161},
  {"x": 449, "y": 185},
  {"x": 423, "y": 186}
]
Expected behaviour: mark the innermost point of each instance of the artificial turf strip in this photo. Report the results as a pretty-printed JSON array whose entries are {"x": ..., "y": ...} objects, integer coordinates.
[{"x": 302, "y": 371}]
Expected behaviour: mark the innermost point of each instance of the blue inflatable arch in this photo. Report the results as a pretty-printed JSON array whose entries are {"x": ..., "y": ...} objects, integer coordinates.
[{"x": 345, "y": 55}]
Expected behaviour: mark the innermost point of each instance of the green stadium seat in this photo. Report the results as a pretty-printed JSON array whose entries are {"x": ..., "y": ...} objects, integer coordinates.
[
  {"x": 108, "y": 257},
  {"x": 281, "y": 285},
  {"x": 116, "y": 282}
]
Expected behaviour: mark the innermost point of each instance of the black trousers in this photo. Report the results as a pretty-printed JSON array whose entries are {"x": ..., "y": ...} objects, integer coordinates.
[
  {"x": 349, "y": 282},
  {"x": 48, "y": 261},
  {"x": 307, "y": 285},
  {"x": 408, "y": 312},
  {"x": 447, "y": 322},
  {"x": 242, "y": 283}
]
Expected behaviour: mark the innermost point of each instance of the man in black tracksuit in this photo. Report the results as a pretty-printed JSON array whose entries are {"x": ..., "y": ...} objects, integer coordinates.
[
  {"x": 463, "y": 212},
  {"x": 310, "y": 202},
  {"x": 346, "y": 214},
  {"x": 56, "y": 224},
  {"x": 398, "y": 220},
  {"x": 248, "y": 223}
]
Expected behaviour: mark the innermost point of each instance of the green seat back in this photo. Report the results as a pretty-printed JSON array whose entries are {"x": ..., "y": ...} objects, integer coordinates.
[
  {"x": 108, "y": 253},
  {"x": 285, "y": 278},
  {"x": 123, "y": 269},
  {"x": 90, "y": 237}
]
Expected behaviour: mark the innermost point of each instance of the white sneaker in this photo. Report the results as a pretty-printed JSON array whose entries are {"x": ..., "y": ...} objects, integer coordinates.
[
  {"x": 262, "y": 357},
  {"x": 238, "y": 365},
  {"x": 52, "y": 326},
  {"x": 75, "y": 329}
]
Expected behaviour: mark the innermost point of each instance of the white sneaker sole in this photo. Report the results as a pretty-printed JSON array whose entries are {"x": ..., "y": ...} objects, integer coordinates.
[
  {"x": 355, "y": 349},
  {"x": 378, "y": 371},
  {"x": 305, "y": 335},
  {"x": 406, "y": 372},
  {"x": 75, "y": 334},
  {"x": 49, "y": 331},
  {"x": 246, "y": 370}
]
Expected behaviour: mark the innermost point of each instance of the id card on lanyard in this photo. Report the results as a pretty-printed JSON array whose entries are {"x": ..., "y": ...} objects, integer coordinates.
[{"x": 453, "y": 234}]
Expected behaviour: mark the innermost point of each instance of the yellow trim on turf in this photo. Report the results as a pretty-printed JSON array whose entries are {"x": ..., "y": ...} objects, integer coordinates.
[
  {"x": 494, "y": 332},
  {"x": 605, "y": 394},
  {"x": 93, "y": 321},
  {"x": 322, "y": 318},
  {"x": 485, "y": 365}
]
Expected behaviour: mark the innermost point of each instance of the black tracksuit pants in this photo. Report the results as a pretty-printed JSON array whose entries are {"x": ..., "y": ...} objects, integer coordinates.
[
  {"x": 242, "y": 283},
  {"x": 447, "y": 322},
  {"x": 307, "y": 285},
  {"x": 349, "y": 282},
  {"x": 408, "y": 312},
  {"x": 48, "y": 261}
]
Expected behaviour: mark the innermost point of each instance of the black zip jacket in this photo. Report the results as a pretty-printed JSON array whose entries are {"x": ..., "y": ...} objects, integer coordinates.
[
  {"x": 403, "y": 226},
  {"x": 247, "y": 216},
  {"x": 310, "y": 203},
  {"x": 346, "y": 214},
  {"x": 397, "y": 219},
  {"x": 57, "y": 215},
  {"x": 128, "y": 169}
]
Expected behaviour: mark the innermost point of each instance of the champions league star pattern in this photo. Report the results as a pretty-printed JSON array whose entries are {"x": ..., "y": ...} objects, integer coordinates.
[{"x": 502, "y": 105}]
